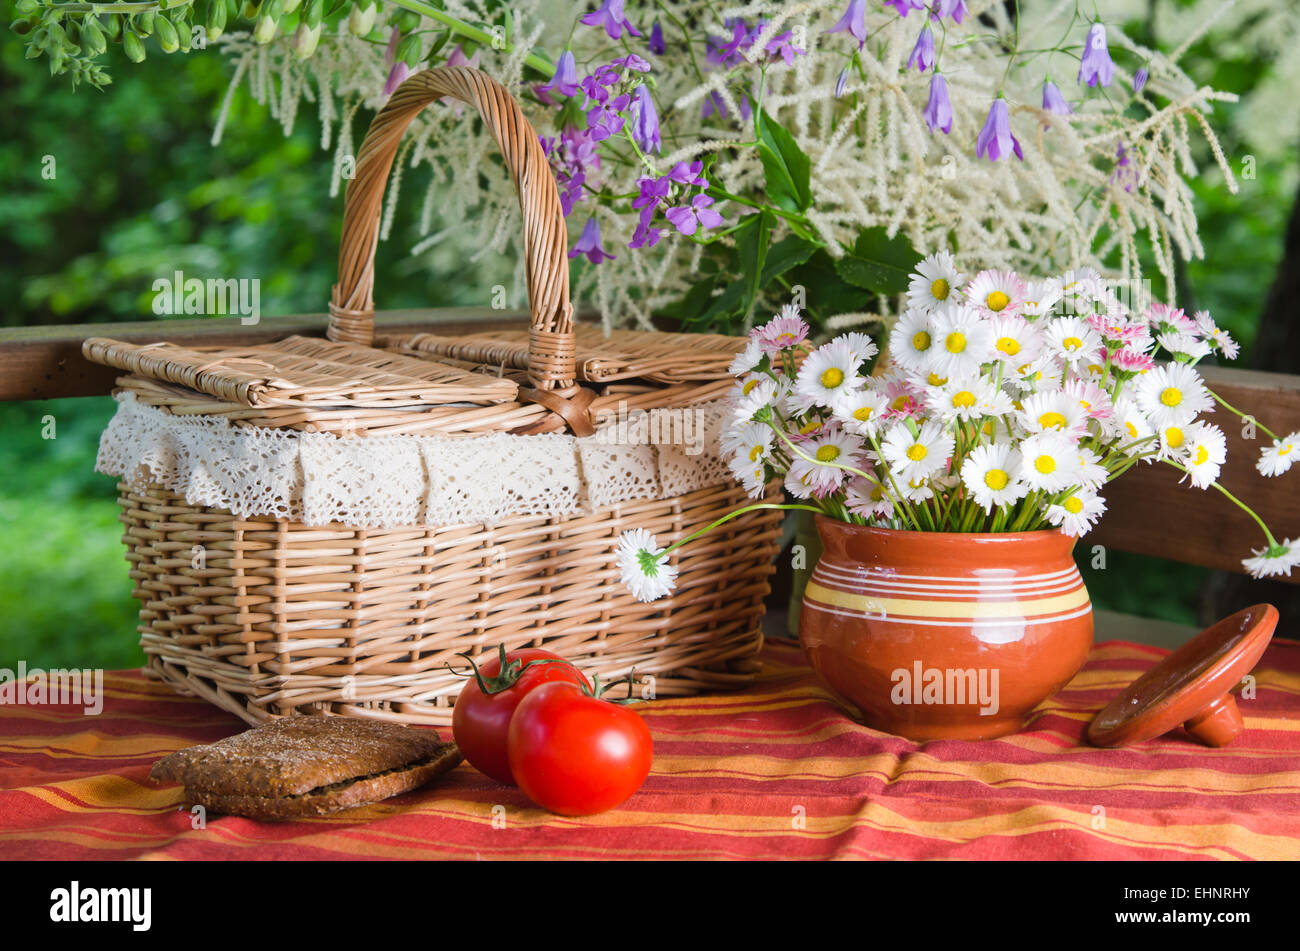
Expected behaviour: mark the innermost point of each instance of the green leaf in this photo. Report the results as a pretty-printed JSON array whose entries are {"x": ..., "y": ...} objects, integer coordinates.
[
  {"x": 789, "y": 252},
  {"x": 879, "y": 263},
  {"x": 752, "y": 239},
  {"x": 785, "y": 166},
  {"x": 826, "y": 293},
  {"x": 724, "y": 307}
]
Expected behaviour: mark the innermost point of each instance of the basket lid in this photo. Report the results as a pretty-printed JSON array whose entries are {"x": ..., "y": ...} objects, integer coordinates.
[
  {"x": 599, "y": 357},
  {"x": 298, "y": 371}
]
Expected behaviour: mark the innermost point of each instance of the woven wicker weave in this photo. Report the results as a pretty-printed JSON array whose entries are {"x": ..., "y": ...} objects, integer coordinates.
[{"x": 280, "y": 618}]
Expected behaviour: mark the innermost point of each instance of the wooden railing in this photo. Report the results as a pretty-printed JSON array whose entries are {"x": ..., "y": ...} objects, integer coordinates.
[{"x": 1148, "y": 511}]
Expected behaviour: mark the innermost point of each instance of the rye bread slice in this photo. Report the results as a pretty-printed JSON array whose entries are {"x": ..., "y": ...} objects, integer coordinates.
[{"x": 307, "y": 766}]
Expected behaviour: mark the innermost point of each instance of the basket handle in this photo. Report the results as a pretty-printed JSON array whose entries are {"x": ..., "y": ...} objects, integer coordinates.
[{"x": 352, "y": 306}]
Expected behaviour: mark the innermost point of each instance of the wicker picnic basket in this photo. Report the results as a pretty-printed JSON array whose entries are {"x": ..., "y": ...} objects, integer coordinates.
[{"x": 322, "y": 526}]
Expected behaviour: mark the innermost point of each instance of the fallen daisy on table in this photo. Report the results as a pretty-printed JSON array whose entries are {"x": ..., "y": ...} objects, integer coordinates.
[{"x": 1008, "y": 406}]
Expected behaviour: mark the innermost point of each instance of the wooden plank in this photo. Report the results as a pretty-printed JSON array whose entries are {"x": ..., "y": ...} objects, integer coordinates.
[
  {"x": 1150, "y": 513},
  {"x": 42, "y": 363}
]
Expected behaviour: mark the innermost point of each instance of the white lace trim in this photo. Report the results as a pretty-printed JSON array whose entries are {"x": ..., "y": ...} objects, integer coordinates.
[{"x": 392, "y": 481}]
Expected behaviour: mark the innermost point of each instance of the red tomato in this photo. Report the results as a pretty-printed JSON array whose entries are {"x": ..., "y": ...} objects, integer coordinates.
[
  {"x": 577, "y": 755},
  {"x": 480, "y": 721}
]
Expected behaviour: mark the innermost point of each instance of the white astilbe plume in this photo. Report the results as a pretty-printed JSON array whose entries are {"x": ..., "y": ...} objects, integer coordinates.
[{"x": 873, "y": 160}]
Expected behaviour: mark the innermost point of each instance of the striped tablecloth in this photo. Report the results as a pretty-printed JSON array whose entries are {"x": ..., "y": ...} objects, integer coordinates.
[{"x": 776, "y": 771}]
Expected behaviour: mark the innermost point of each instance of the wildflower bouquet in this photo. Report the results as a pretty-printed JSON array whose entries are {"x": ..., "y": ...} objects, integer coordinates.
[{"x": 1007, "y": 405}]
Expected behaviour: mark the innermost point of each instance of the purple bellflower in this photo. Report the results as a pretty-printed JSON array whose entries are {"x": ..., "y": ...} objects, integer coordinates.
[
  {"x": 995, "y": 139},
  {"x": 1140, "y": 78},
  {"x": 904, "y": 7},
  {"x": 854, "y": 21},
  {"x": 645, "y": 122},
  {"x": 565, "y": 80},
  {"x": 938, "y": 111},
  {"x": 589, "y": 244},
  {"x": 656, "y": 42},
  {"x": 949, "y": 8},
  {"x": 1096, "y": 66},
  {"x": 922, "y": 57},
  {"x": 612, "y": 17},
  {"x": 1053, "y": 101}
]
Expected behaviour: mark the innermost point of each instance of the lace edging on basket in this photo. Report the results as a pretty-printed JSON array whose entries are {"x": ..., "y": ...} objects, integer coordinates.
[{"x": 393, "y": 481}]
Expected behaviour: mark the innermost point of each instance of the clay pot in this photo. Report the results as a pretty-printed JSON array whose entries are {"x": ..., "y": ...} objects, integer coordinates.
[{"x": 936, "y": 635}]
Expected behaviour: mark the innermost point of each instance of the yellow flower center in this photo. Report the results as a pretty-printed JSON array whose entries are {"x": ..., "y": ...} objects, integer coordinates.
[
  {"x": 828, "y": 453},
  {"x": 862, "y": 413},
  {"x": 756, "y": 453},
  {"x": 1052, "y": 420},
  {"x": 963, "y": 400},
  {"x": 997, "y": 300},
  {"x": 939, "y": 289},
  {"x": 1072, "y": 343},
  {"x": 935, "y": 379},
  {"x": 1045, "y": 464},
  {"x": 832, "y": 377},
  {"x": 916, "y": 452},
  {"x": 749, "y": 386},
  {"x": 955, "y": 342},
  {"x": 1171, "y": 396},
  {"x": 810, "y": 428},
  {"x": 1132, "y": 430},
  {"x": 1202, "y": 456},
  {"x": 1095, "y": 369},
  {"x": 899, "y": 404},
  {"x": 878, "y": 493},
  {"x": 921, "y": 340},
  {"x": 1073, "y": 505},
  {"x": 1009, "y": 345},
  {"x": 989, "y": 427},
  {"x": 1174, "y": 437},
  {"x": 996, "y": 479},
  {"x": 1284, "y": 450}
]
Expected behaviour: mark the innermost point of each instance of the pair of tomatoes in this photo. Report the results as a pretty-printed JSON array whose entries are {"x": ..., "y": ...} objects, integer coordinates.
[{"x": 531, "y": 718}]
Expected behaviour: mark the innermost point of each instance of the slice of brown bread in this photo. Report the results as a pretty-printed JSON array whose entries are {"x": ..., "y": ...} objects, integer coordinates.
[{"x": 307, "y": 766}]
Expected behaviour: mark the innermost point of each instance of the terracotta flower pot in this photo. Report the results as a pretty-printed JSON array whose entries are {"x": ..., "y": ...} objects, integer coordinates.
[{"x": 943, "y": 635}]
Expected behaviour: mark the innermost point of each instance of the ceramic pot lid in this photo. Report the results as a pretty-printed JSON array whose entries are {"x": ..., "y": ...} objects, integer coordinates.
[{"x": 1192, "y": 686}]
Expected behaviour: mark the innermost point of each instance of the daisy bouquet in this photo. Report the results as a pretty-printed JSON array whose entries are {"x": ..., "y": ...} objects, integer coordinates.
[{"x": 1006, "y": 405}]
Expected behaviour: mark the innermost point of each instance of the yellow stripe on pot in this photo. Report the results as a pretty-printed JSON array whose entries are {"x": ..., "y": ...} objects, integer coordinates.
[{"x": 922, "y": 608}]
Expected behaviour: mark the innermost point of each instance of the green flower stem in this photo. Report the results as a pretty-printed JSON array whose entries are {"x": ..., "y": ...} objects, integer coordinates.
[
  {"x": 1240, "y": 415},
  {"x": 461, "y": 28},
  {"x": 756, "y": 507},
  {"x": 143, "y": 6},
  {"x": 715, "y": 191},
  {"x": 1272, "y": 542}
]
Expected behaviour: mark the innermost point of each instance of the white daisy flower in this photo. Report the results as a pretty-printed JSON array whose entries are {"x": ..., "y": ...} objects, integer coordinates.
[
  {"x": 990, "y": 475},
  {"x": 860, "y": 345},
  {"x": 1173, "y": 441},
  {"x": 1028, "y": 377},
  {"x": 910, "y": 456},
  {"x": 1015, "y": 340},
  {"x": 917, "y": 489},
  {"x": 1049, "y": 461},
  {"x": 996, "y": 292},
  {"x": 828, "y": 454},
  {"x": 747, "y": 359},
  {"x": 935, "y": 282},
  {"x": 1092, "y": 474},
  {"x": 1131, "y": 425},
  {"x": 749, "y": 442},
  {"x": 967, "y": 397},
  {"x": 1216, "y": 335},
  {"x": 1183, "y": 346},
  {"x": 1052, "y": 410},
  {"x": 1279, "y": 457},
  {"x": 911, "y": 342},
  {"x": 868, "y": 498},
  {"x": 1077, "y": 513},
  {"x": 1172, "y": 395},
  {"x": 1042, "y": 297},
  {"x": 1077, "y": 288},
  {"x": 751, "y": 475},
  {"x": 962, "y": 341},
  {"x": 749, "y": 397},
  {"x": 1206, "y": 449},
  {"x": 860, "y": 411},
  {"x": 827, "y": 372},
  {"x": 1093, "y": 400},
  {"x": 1072, "y": 341},
  {"x": 1274, "y": 561},
  {"x": 641, "y": 568}
]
